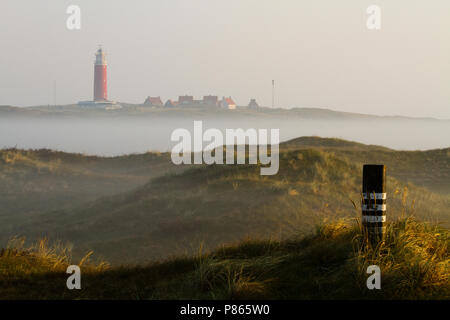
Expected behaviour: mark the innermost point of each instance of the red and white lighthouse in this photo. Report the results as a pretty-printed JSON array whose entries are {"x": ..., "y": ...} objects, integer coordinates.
[{"x": 100, "y": 77}]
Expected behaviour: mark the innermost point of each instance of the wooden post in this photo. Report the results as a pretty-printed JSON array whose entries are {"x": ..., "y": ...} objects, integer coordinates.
[{"x": 374, "y": 203}]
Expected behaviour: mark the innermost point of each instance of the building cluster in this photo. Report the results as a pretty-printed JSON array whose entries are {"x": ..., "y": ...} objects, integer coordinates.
[
  {"x": 101, "y": 93},
  {"x": 189, "y": 101}
]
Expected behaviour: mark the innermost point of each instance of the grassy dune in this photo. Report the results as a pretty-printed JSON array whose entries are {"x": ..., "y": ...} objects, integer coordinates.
[
  {"x": 429, "y": 169},
  {"x": 36, "y": 181},
  {"x": 329, "y": 264},
  {"x": 48, "y": 179},
  {"x": 319, "y": 179},
  {"x": 294, "y": 235}
]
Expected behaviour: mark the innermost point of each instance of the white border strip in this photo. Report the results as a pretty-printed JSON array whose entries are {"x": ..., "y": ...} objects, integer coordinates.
[
  {"x": 375, "y": 207},
  {"x": 374, "y": 219},
  {"x": 378, "y": 196}
]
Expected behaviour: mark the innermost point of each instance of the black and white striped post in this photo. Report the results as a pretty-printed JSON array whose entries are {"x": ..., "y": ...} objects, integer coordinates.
[{"x": 374, "y": 203}]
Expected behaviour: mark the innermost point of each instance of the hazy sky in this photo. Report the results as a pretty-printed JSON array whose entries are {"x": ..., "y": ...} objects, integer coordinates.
[{"x": 320, "y": 53}]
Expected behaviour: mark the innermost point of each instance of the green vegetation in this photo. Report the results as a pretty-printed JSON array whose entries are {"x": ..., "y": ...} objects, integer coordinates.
[
  {"x": 175, "y": 213},
  {"x": 258, "y": 234},
  {"x": 34, "y": 181},
  {"x": 48, "y": 179},
  {"x": 330, "y": 264},
  {"x": 430, "y": 169}
]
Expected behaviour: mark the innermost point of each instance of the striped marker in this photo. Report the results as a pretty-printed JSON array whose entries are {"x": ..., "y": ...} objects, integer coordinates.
[{"x": 374, "y": 202}]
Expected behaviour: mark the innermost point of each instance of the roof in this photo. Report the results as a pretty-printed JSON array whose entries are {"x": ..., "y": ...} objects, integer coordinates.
[
  {"x": 171, "y": 102},
  {"x": 154, "y": 101},
  {"x": 228, "y": 101},
  {"x": 186, "y": 100}
]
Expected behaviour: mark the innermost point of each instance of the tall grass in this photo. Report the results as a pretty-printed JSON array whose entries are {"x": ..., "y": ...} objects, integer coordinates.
[
  {"x": 414, "y": 259},
  {"x": 44, "y": 256},
  {"x": 330, "y": 264}
]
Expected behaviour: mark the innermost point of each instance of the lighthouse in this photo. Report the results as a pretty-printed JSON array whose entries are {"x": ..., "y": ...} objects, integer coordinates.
[
  {"x": 100, "y": 77},
  {"x": 100, "y": 85}
]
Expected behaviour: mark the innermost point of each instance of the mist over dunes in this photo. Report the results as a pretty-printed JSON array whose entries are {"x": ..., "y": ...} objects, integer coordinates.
[
  {"x": 130, "y": 216},
  {"x": 221, "y": 230}
]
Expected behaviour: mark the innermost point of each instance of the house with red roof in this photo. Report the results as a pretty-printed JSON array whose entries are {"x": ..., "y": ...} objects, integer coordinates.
[
  {"x": 228, "y": 103},
  {"x": 153, "y": 102},
  {"x": 186, "y": 100}
]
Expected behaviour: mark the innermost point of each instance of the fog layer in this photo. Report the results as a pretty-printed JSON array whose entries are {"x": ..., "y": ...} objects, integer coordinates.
[{"x": 110, "y": 137}]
